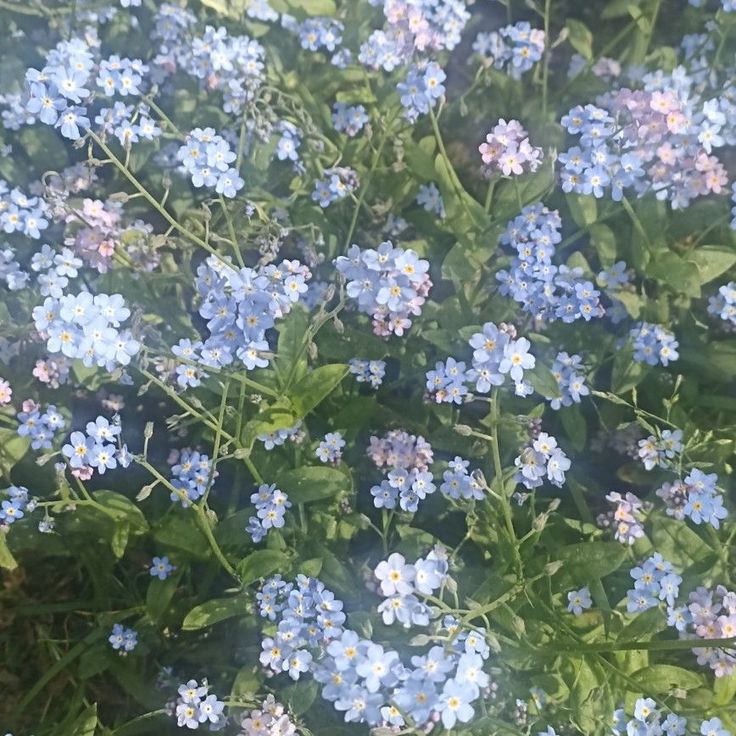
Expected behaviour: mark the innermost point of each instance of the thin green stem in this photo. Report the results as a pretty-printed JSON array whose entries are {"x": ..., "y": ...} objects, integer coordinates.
[
  {"x": 231, "y": 230},
  {"x": 498, "y": 482},
  {"x": 545, "y": 67},
  {"x": 152, "y": 200}
]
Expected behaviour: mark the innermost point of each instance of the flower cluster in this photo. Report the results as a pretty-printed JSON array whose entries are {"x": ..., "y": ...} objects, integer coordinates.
[
  {"x": 513, "y": 48},
  {"x": 546, "y": 291},
  {"x": 430, "y": 198},
  {"x": 206, "y": 157},
  {"x": 122, "y": 639},
  {"x": 497, "y": 353},
  {"x": 128, "y": 123},
  {"x": 271, "y": 505},
  {"x": 20, "y": 213},
  {"x": 241, "y": 304},
  {"x": 655, "y": 139},
  {"x": 12, "y": 508},
  {"x": 365, "y": 681},
  {"x": 233, "y": 65},
  {"x": 660, "y": 451},
  {"x": 289, "y": 142},
  {"x": 458, "y": 483},
  {"x": 56, "y": 92},
  {"x": 696, "y": 498},
  {"x": 709, "y": 614},
  {"x": 191, "y": 472},
  {"x": 407, "y": 487},
  {"x": 279, "y": 436},
  {"x": 53, "y": 372},
  {"x": 653, "y": 344},
  {"x": 349, "y": 119},
  {"x": 647, "y": 718},
  {"x": 268, "y": 720},
  {"x": 625, "y": 519},
  {"x": 507, "y": 150},
  {"x": 85, "y": 327},
  {"x": 11, "y": 273},
  {"x": 330, "y": 448},
  {"x": 388, "y": 283},
  {"x": 96, "y": 230},
  {"x": 421, "y": 89},
  {"x": 571, "y": 383},
  {"x": 723, "y": 304},
  {"x": 399, "y": 449},
  {"x": 399, "y": 582},
  {"x": 368, "y": 371},
  {"x": 196, "y": 707},
  {"x": 654, "y": 581},
  {"x": 161, "y": 568},
  {"x": 413, "y": 26},
  {"x": 337, "y": 183},
  {"x": 317, "y": 33},
  {"x": 96, "y": 448},
  {"x": 542, "y": 458},
  {"x": 39, "y": 425}
]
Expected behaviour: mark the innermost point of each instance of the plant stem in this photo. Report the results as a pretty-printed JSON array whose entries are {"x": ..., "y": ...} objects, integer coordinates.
[
  {"x": 152, "y": 200},
  {"x": 498, "y": 481}
]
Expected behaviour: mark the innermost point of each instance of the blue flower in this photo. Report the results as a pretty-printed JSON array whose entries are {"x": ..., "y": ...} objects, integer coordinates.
[
  {"x": 579, "y": 600},
  {"x": 161, "y": 568},
  {"x": 454, "y": 704}
]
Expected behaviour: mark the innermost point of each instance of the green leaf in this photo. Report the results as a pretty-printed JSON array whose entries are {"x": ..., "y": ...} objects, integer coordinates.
[
  {"x": 661, "y": 678},
  {"x": 313, "y": 7},
  {"x": 619, "y": 8},
  {"x": 543, "y": 381},
  {"x": 119, "y": 539},
  {"x": 123, "y": 510},
  {"x": 677, "y": 542},
  {"x": 632, "y": 302},
  {"x": 683, "y": 277},
  {"x": 587, "y": 561},
  {"x": 603, "y": 240},
  {"x": 260, "y": 564},
  {"x": 179, "y": 530},
  {"x": 419, "y": 157},
  {"x": 583, "y": 208},
  {"x": 644, "y": 625},
  {"x": 531, "y": 188},
  {"x": 712, "y": 261},
  {"x": 459, "y": 205},
  {"x": 160, "y": 593},
  {"x": 12, "y": 448},
  {"x": 301, "y": 695},
  {"x": 290, "y": 356},
  {"x": 574, "y": 424},
  {"x": 86, "y": 723},
  {"x": 462, "y": 263},
  {"x": 279, "y": 415},
  {"x": 580, "y": 37},
  {"x": 626, "y": 372},
  {"x": 214, "y": 611},
  {"x": 247, "y": 682},
  {"x": 231, "y": 8},
  {"x": 7, "y": 560},
  {"x": 316, "y": 386},
  {"x": 312, "y": 483},
  {"x": 724, "y": 689}
]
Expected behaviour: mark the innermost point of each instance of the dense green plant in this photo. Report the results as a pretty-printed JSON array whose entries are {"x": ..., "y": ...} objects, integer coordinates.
[{"x": 367, "y": 366}]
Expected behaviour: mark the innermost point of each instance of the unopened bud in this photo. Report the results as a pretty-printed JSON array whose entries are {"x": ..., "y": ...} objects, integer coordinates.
[{"x": 463, "y": 429}]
